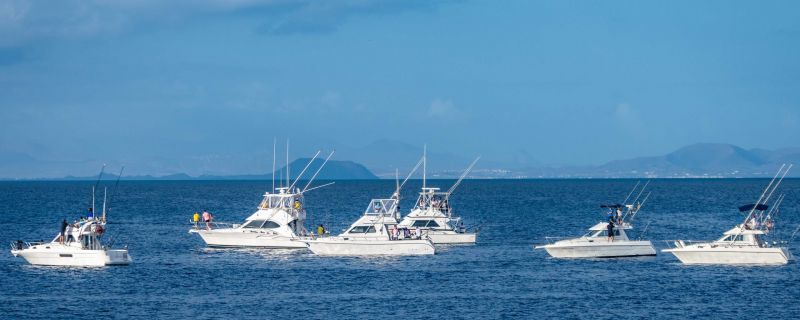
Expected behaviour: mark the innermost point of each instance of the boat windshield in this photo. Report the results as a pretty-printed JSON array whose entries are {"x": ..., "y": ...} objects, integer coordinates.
[
  {"x": 381, "y": 207},
  {"x": 264, "y": 224},
  {"x": 362, "y": 229},
  {"x": 281, "y": 201}
]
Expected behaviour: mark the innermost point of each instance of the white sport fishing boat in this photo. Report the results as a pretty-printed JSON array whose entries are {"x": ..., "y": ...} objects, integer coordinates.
[
  {"x": 433, "y": 215},
  {"x": 278, "y": 222},
  {"x": 599, "y": 244},
  {"x": 79, "y": 245},
  {"x": 376, "y": 233},
  {"x": 372, "y": 234},
  {"x": 747, "y": 243}
]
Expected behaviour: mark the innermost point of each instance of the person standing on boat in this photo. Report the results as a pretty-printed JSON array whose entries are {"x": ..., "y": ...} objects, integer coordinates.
[
  {"x": 90, "y": 214},
  {"x": 418, "y": 232},
  {"x": 320, "y": 230},
  {"x": 63, "y": 231},
  {"x": 610, "y": 215},
  {"x": 207, "y": 217},
  {"x": 610, "y": 230},
  {"x": 196, "y": 218}
]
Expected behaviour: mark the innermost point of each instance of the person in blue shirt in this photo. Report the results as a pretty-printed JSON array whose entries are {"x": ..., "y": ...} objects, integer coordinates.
[
  {"x": 610, "y": 215},
  {"x": 90, "y": 214}
]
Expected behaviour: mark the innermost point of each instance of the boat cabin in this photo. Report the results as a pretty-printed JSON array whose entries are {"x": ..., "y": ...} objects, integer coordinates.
[
  {"x": 432, "y": 202},
  {"x": 277, "y": 210},
  {"x": 378, "y": 219},
  {"x": 600, "y": 231},
  {"x": 739, "y": 236}
]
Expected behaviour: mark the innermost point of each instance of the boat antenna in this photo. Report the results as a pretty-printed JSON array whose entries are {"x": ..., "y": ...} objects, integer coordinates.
[
  {"x": 631, "y": 193},
  {"x": 463, "y": 175},
  {"x": 287, "y": 163},
  {"x": 97, "y": 183},
  {"x": 274, "y": 142},
  {"x": 424, "y": 164},
  {"x": 318, "y": 171},
  {"x": 396, "y": 192},
  {"x": 304, "y": 169}
]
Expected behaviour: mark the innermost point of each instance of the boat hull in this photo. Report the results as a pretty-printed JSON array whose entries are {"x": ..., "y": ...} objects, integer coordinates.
[
  {"x": 600, "y": 249},
  {"x": 732, "y": 255},
  {"x": 225, "y": 239},
  {"x": 450, "y": 238},
  {"x": 80, "y": 258},
  {"x": 340, "y": 247}
]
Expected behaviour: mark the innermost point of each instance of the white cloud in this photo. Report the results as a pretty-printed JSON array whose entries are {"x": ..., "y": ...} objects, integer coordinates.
[{"x": 442, "y": 108}]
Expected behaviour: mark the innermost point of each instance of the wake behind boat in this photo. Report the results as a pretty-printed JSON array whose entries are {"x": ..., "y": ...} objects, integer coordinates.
[
  {"x": 609, "y": 238},
  {"x": 746, "y": 243}
]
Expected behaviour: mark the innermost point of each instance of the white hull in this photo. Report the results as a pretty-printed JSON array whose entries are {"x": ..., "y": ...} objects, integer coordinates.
[
  {"x": 341, "y": 247},
  {"x": 731, "y": 255},
  {"x": 451, "y": 237},
  {"x": 80, "y": 257},
  {"x": 223, "y": 238},
  {"x": 600, "y": 249}
]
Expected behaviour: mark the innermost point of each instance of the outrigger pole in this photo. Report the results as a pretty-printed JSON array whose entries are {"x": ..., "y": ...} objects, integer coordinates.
[
  {"x": 463, "y": 175},
  {"x": 631, "y": 193},
  {"x": 114, "y": 191},
  {"x": 749, "y": 214},
  {"x": 318, "y": 171},
  {"x": 304, "y": 169}
]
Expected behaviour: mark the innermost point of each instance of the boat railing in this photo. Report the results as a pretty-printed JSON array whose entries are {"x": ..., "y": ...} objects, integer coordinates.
[
  {"x": 214, "y": 225},
  {"x": 19, "y": 244}
]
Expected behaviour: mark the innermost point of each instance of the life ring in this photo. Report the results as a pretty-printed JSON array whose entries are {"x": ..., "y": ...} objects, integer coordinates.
[{"x": 99, "y": 230}]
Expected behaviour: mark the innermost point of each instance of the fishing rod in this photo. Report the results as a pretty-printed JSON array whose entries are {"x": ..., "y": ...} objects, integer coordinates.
[{"x": 113, "y": 192}]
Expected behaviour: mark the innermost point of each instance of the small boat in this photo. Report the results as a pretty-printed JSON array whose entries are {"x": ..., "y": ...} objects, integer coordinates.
[
  {"x": 278, "y": 222},
  {"x": 598, "y": 244},
  {"x": 372, "y": 235},
  {"x": 79, "y": 245},
  {"x": 433, "y": 215},
  {"x": 745, "y": 244}
]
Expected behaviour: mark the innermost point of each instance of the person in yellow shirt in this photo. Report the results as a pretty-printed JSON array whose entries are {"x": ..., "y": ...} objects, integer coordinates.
[
  {"x": 196, "y": 218},
  {"x": 320, "y": 230}
]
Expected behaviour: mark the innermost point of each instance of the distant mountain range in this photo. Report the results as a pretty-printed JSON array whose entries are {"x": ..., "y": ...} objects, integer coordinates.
[
  {"x": 713, "y": 160},
  {"x": 702, "y": 160},
  {"x": 334, "y": 170}
]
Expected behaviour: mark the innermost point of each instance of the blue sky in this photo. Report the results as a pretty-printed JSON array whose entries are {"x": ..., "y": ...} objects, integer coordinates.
[{"x": 151, "y": 83}]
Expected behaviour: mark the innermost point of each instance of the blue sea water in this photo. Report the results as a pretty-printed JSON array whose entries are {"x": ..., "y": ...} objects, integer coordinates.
[{"x": 175, "y": 276}]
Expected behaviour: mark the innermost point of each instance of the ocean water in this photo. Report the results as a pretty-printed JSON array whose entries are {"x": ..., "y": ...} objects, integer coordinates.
[{"x": 175, "y": 276}]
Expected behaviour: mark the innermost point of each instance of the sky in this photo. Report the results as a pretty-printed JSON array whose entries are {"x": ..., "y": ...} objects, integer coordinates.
[{"x": 205, "y": 86}]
